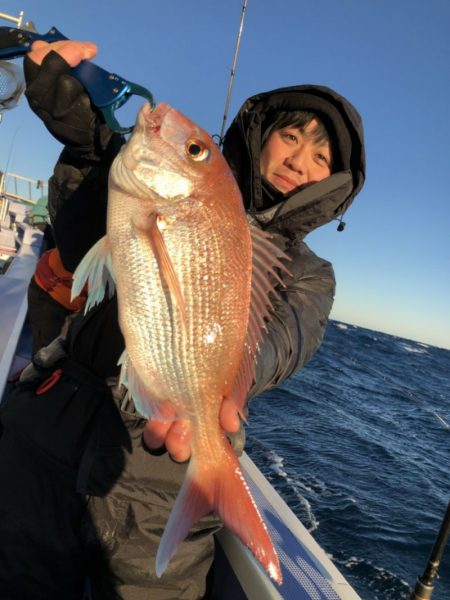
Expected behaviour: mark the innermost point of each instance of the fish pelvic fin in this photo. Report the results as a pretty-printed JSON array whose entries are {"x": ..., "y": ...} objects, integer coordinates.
[
  {"x": 267, "y": 258},
  {"x": 220, "y": 488},
  {"x": 166, "y": 268},
  {"x": 97, "y": 270},
  {"x": 146, "y": 403}
]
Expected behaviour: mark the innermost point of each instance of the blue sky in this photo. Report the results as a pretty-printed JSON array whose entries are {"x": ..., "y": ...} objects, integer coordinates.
[{"x": 391, "y": 59}]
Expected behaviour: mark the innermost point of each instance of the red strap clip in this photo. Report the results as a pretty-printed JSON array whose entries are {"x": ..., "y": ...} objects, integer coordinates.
[{"x": 50, "y": 382}]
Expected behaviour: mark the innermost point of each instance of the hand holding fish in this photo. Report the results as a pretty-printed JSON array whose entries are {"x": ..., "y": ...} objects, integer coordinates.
[{"x": 176, "y": 435}]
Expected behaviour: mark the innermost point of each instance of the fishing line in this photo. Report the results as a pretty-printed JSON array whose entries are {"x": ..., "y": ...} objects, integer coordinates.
[{"x": 9, "y": 158}]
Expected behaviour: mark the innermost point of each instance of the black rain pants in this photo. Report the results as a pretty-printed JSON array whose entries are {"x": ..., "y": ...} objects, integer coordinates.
[{"x": 80, "y": 496}]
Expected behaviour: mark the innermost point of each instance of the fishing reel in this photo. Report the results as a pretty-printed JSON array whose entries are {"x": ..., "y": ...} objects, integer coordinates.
[
  {"x": 12, "y": 81},
  {"x": 12, "y": 85}
]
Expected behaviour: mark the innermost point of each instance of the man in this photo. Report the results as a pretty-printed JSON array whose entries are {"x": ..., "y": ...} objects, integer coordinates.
[{"x": 91, "y": 497}]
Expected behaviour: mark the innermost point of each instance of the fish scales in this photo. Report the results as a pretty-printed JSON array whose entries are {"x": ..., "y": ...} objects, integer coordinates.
[{"x": 191, "y": 365}]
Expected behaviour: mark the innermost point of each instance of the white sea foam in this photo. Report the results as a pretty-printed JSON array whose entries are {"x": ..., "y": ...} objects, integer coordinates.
[
  {"x": 352, "y": 562},
  {"x": 413, "y": 349},
  {"x": 305, "y": 487},
  {"x": 379, "y": 573},
  {"x": 313, "y": 522},
  {"x": 277, "y": 466},
  {"x": 441, "y": 419}
]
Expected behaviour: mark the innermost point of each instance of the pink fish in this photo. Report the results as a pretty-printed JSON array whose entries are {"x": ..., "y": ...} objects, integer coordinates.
[{"x": 192, "y": 279}]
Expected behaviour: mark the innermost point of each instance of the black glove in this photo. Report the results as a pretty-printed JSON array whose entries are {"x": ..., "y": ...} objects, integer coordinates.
[{"x": 65, "y": 108}]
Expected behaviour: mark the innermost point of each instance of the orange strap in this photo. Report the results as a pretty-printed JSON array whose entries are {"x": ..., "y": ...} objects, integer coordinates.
[
  {"x": 50, "y": 382},
  {"x": 52, "y": 277}
]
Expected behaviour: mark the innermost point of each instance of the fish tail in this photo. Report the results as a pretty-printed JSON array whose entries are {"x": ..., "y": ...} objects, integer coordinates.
[{"x": 222, "y": 489}]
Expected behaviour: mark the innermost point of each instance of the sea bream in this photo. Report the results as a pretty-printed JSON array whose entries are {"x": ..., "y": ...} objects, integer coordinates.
[{"x": 192, "y": 279}]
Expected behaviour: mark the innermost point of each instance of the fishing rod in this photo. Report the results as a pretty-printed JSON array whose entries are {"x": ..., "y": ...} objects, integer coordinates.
[
  {"x": 424, "y": 587},
  {"x": 233, "y": 71}
]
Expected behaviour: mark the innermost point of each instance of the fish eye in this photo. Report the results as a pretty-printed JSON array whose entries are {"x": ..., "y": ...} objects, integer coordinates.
[{"x": 197, "y": 150}]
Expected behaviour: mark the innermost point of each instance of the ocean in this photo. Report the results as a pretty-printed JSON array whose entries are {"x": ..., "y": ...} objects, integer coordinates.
[{"x": 358, "y": 445}]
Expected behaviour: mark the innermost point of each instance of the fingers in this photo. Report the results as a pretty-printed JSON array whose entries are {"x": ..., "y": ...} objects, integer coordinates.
[
  {"x": 176, "y": 434},
  {"x": 155, "y": 433},
  {"x": 178, "y": 440},
  {"x": 229, "y": 416},
  {"x": 72, "y": 52}
]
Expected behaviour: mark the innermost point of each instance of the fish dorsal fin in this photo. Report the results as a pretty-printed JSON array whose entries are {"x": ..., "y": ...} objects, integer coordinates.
[
  {"x": 167, "y": 271},
  {"x": 266, "y": 258}
]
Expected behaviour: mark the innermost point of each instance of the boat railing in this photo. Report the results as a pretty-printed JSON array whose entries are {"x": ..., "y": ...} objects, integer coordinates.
[
  {"x": 20, "y": 248},
  {"x": 23, "y": 189}
]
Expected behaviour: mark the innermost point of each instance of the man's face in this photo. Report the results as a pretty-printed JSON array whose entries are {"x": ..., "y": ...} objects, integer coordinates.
[{"x": 290, "y": 158}]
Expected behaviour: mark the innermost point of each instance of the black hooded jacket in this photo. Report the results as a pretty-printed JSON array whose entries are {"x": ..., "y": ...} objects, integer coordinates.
[
  {"x": 317, "y": 205},
  {"x": 302, "y": 309},
  {"x": 78, "y": 199}
]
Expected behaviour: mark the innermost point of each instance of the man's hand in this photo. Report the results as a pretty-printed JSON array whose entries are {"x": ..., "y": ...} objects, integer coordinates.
[
  {"x": 176, "y": 435},
  {"x": 71, "y": 51},
  {"x": 61, "y": 101}
]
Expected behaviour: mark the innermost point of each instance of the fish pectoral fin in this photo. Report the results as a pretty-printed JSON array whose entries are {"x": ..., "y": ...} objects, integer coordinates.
[
  {"x": 97, "y": 270},
  {"x": 166, "y": 268},
  {"x": 221, "y": 488},
  {"x": 266, "y": 258},
  {"x": 147, "y": 403}
]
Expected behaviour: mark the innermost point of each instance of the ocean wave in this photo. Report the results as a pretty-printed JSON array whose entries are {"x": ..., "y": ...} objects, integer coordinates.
[
  {"x": 357, "y": 445},
  {"x": 414, "y": 349},
  {"x": 384, "y": 584},
  {"x": 424, "y": 345},
  {"x": 292, "y": 486},
  {"x": 276, "y": 463}
]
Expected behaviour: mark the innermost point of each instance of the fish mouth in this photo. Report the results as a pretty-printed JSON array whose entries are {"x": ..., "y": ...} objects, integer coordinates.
[
  {"x": 152, "y": 118},
  {"x": 151, "y": 158},
  {"x": 164, "y": 121}
]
